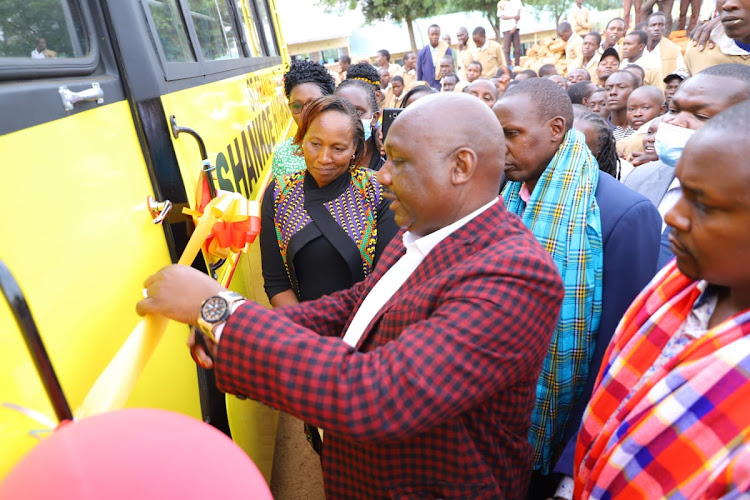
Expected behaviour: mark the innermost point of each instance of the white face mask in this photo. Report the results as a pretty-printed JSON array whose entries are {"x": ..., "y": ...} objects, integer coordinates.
[
  {"x": 669, "y": 142},
  {"x": 367, "y": 125}
]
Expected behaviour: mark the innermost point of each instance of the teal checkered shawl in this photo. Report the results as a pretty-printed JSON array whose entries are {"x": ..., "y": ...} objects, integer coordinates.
[{"x": 564, "y": 216}]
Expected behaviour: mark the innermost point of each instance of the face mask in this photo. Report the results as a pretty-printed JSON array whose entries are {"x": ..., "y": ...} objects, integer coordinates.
[
  {"x": 669, "y": 142},
  {"x": 367, "y": 124}
]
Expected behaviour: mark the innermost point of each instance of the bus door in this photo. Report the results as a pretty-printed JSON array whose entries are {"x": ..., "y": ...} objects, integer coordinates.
[
  {"x": 205, "y": 79},
  {"x": 76, "y": 229}
]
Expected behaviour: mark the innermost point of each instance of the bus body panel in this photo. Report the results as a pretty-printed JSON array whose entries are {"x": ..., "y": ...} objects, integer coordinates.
[
  {"x": 77, "y": 232},
  {"x": 79, "y": 239}
]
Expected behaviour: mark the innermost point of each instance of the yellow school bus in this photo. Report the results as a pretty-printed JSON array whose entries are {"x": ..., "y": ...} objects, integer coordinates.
[{"x": 108, "y": 109}]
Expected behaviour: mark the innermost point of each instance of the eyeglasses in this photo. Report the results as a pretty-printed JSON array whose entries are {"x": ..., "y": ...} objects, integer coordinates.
[{"x": 297, "y": 107}]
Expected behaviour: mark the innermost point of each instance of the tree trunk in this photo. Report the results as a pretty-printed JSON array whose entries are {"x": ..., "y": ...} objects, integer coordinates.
[
  {"x": 411, "y": 35},
  {"x": 494, "y": 22}
]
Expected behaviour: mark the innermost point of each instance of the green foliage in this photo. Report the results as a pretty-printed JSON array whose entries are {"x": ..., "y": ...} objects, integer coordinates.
[
  {"x": 486, "y": 7},
  {"x": 396, "y": 10},
  {"x": 556, "y": 7},
  {"x": 23, "y": 21},
  {"x": 603, "y": 4}
]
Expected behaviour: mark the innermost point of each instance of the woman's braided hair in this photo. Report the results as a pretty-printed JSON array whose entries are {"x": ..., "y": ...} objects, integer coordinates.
[
  {"x": 365, "y": 72},
  {"x": 608, "y": 159},
  {"x": 308, "y": 72}
]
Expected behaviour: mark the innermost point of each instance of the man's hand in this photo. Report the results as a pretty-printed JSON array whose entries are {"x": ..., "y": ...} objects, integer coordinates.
[
  {"x": 639, "y": 158},
  {"x": 198, "y": 344},
  {"x": 702, "y": 34},
  {"x": 177, "y": 293}
]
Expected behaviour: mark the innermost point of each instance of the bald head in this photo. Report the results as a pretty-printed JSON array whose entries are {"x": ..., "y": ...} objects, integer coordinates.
[
  {"x": 649, "y": 92},
  {"x": 446, "y": 155},
  {"x": 455, "y": 120},
  {"x": 485, "y": 90},
  {"x": 578, "y": 75}
]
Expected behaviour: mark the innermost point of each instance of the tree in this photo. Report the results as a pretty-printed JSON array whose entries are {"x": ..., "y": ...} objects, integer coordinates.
[
  {"x": 556, "y": 7},
  {"x": 486, "y": 7},
  {"x": 603, "y": 4},
  {"x": 393, "y": 10}
]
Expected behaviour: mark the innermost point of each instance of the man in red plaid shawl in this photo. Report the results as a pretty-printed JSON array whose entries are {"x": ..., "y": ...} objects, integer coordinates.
[
  {"x": 670, "y": 414},
  {"x": 429, "y": 392}
]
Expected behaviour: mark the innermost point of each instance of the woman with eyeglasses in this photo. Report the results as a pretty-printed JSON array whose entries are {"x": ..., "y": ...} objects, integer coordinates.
[
  {"x": 304, "y": 82},
  {"x": 323, "y": 228}
]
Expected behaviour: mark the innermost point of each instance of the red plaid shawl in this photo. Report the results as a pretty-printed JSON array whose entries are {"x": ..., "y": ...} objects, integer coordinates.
[{"x": 684, "y": 434}]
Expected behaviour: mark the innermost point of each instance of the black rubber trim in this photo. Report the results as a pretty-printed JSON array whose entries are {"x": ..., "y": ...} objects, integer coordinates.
[{"x": 34, "y": 344}]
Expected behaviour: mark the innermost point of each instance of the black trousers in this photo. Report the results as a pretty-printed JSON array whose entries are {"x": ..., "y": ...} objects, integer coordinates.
[
  {"x": 542, "y": 487},
  {"x": 514, "y": 37}
]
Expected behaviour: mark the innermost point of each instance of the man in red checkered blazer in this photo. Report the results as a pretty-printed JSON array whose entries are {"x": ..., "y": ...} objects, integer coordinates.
[{"x": 423, "y": 376}]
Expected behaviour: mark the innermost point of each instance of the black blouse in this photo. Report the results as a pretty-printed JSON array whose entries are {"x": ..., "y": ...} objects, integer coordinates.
[{"x": 320, "y": 253}]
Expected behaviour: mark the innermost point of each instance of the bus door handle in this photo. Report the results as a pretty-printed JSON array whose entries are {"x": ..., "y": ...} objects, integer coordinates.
[
  {"x": 70, "y": 98},
  {"x": 158, "y": 209}
]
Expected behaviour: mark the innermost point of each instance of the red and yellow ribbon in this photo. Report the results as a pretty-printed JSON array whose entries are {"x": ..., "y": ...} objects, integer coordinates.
[{"x": 226, "y": 223}]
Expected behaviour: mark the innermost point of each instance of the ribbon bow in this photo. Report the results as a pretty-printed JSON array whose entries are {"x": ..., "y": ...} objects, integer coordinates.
[
  {"x": 225, "y": 223},
  {"x": 237, "y": 219}
]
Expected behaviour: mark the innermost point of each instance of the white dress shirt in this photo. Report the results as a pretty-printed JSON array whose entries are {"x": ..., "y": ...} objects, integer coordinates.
[
  {"x": 434, "y": 54},
  {"x": 417, "y": 249}
]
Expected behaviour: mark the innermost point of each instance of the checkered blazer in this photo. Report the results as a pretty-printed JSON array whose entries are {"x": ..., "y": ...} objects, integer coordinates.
[{"x": 435, "y": 401}]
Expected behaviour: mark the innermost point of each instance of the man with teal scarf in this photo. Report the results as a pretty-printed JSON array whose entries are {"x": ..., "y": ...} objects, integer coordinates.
[{"x": 553, "y": 183}]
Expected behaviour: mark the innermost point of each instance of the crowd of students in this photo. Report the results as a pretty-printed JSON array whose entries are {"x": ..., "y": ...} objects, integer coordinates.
[{"x": 584, "y": 334}]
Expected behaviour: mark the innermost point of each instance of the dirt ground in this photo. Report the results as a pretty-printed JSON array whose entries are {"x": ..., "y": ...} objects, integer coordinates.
[{"x": 296, "y": 467}]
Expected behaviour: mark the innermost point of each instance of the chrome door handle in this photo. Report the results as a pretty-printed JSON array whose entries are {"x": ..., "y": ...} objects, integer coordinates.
[
  {"x": 70, "y": 98},
  {"x": 158, "y": 209}
]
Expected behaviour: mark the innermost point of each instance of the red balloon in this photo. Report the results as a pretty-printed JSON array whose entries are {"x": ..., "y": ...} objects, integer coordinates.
[{"x": 135, "y": 454}]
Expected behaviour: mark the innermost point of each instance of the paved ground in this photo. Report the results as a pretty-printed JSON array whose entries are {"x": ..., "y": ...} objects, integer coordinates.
[{"x": 296, "y": 467}]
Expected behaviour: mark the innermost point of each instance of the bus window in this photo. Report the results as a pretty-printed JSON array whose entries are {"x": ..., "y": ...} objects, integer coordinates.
[
  {"x": 44, "y": 29},
  {"x": 266, "y": 27},
  {"x": 248, "y": 28},
  {"x": 171, "y": 30},
  {"x": 213, "y": 25}
]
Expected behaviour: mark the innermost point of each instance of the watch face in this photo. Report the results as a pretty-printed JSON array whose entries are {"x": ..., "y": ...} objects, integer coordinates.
[{"x": 214, "y": 309}]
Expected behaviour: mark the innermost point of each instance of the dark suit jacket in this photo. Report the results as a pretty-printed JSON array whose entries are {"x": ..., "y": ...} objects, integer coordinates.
[
  {"x": 436, "y": 400},
  {"x": 631, "y": 228},
  {"x": 425, "y": 67}
]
